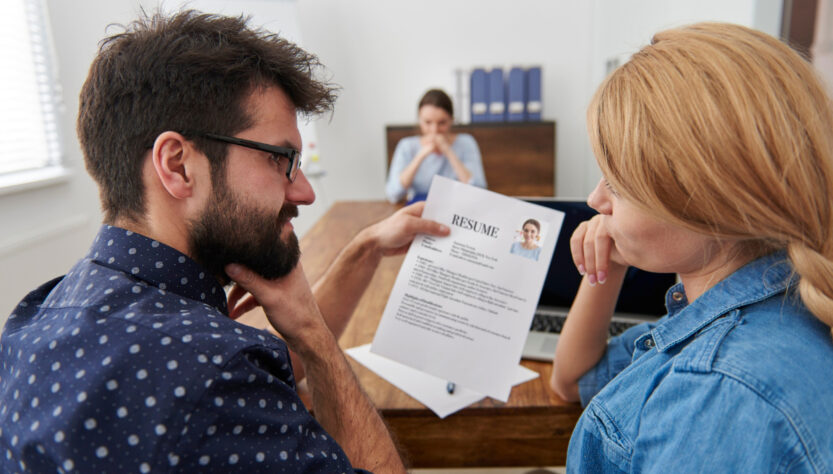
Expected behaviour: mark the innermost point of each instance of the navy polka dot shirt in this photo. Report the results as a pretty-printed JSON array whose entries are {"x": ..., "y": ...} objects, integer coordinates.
[{"x": 129, "y": 363}]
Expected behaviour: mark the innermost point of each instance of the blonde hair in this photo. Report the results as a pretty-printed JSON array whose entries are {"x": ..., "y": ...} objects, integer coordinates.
[{"x": 726, "y": 131}]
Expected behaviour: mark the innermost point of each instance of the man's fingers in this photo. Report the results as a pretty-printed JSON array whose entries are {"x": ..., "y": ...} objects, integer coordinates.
[
  {"x": 418, "y": 225},
  {"x": 245, "y": 282},
  {"x": 246, "y": 279},
  {"x": 243, "y": 307},
  {"x": 414, "y": 209},
  {"x": 240, "y": 274},
  {"x": 237, "y": 292},
  {"x": 394, "y": 234},
  {"x": 415, "y": 224}
]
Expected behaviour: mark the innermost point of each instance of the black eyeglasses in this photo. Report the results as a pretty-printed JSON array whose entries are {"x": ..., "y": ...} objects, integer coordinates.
[{"x": 292, "y": 155}]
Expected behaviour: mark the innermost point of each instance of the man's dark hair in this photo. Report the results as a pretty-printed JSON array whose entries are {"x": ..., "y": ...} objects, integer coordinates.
[
  {"x": 437, "y": 98},
  {"x": 185, "y": 72}
]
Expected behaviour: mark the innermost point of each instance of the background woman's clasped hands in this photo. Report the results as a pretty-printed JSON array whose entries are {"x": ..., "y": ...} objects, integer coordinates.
[{"x": 435, "y": 143}]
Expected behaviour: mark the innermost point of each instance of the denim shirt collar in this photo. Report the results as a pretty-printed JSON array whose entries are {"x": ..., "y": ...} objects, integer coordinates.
[
  {"x": 158, "y": 264},
  {"x": 755, "y": 281}
]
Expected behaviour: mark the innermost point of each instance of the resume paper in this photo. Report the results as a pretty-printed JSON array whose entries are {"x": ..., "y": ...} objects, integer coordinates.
[{"x": 462, "y": 305}]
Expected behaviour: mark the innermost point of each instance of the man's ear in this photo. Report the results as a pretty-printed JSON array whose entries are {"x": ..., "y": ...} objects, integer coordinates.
[{"x": 175, "y": 161}]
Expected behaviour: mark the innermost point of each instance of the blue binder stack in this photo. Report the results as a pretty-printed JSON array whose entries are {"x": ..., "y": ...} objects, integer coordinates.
[
  {"x": 516, "y": 95},
  {"x": 533, "y": 94},
  {"x": 497, "y": 96},
  {"x": 516, "y": 98},
  {"x": 479, "y": 95}
]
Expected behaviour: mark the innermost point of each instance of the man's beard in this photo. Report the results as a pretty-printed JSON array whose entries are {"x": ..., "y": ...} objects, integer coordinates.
[{"x": 230, "y": 232}]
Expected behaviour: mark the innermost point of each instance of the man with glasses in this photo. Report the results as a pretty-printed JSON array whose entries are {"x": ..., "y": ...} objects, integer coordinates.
[{"x": 133, "y": 362}]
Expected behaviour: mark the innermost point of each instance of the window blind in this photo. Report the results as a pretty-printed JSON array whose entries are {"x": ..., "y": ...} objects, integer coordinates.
[{"x": 29, "y": 136}]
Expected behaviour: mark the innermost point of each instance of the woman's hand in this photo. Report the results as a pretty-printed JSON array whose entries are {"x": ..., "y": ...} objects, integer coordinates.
[
  {"x": 436, "y": 143},
  {"x": 583, "y": 339},
  {"x": 442, "y": 144},
  {"x": 428, "y": 144},
  {"x": 594, "y": 251}
]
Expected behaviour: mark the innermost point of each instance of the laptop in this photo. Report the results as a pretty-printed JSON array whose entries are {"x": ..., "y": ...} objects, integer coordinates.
[{"x": 642, "y": 297}]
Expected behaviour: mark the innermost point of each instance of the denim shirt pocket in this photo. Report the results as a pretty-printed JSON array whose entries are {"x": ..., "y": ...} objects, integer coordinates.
[{"x": 616, "y": 447}]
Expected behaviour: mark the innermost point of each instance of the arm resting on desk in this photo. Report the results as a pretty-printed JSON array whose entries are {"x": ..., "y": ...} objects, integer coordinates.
[{"x": 583, "y": 339}]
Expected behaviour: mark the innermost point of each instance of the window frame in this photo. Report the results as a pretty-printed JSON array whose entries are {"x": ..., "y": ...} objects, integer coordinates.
[{"x": 43, "y": 56}]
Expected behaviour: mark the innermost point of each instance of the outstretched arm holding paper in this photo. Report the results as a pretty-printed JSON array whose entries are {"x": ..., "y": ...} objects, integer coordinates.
[{"x": 341, "y": 287}]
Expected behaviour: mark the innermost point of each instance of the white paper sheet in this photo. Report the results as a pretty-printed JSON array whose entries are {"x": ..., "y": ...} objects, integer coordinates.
[
  {"x": 427, "y": 389},
  {"x": 461, "y": 306}
]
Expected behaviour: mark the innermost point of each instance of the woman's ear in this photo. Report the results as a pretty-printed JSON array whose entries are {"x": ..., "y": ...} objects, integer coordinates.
[{"x": 173, "y": 160}]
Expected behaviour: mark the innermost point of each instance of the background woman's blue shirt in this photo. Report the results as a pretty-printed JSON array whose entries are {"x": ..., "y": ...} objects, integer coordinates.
[
  {"x": 738, "y": 381},
  {"x": 464, "y": 146}
]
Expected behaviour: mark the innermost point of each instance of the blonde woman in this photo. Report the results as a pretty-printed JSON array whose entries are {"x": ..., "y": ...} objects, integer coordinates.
[{"x": 715, "y": 144}]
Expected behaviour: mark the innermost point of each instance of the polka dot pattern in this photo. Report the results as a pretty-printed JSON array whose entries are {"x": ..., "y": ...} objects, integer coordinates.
[{"x": 130, "y": 363}]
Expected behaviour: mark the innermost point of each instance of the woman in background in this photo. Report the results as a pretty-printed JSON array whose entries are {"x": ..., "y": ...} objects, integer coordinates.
[
  {"x": 436, "y": 151},
  {"x": 529, "y": 247},
  {"x": 716, "y": 152}
]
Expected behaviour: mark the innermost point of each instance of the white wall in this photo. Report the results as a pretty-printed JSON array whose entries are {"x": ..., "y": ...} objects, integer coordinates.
[
  {"x": 385, "y": 54},
  {"x": 622, "y": 27},
  {"x": 46, "y": 229},
  {"x": 823, "y": 43}
]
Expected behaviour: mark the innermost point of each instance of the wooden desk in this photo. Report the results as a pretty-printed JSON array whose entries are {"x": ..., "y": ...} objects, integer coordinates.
[{"x": 531, "y": 429}]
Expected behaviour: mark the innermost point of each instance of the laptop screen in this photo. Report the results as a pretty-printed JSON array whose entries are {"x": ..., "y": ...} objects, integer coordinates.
[{"x": 642, "y": 292}]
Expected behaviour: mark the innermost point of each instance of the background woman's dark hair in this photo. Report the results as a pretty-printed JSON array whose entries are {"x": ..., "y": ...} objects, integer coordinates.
[
  {"x": 437, "y": 98},
  {"x": 189, "y": 71}
]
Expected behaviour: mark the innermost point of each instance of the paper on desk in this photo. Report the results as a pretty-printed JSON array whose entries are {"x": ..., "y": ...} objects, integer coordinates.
[
  {"x": 461, "y": 306},
  {"x": 427, "y": 389}
]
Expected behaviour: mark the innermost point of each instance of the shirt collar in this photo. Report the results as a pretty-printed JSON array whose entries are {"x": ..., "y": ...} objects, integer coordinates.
[
  {"x": 158, "y": 264},
  {"x": 755, "y": 281}
]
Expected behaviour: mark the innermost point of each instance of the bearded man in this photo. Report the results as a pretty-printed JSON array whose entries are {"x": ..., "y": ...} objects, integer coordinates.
[{"x": 133, "y": 362}]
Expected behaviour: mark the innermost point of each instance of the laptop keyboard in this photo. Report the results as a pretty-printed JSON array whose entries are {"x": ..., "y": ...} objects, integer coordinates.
[{"x": 545, "y": 322}]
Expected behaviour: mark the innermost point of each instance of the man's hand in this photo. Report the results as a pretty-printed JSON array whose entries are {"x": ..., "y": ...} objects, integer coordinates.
[
  {"x": 288, "y": 303},
  {"x": 393, "y": 235},
  {"x": 338, "y": 402}
]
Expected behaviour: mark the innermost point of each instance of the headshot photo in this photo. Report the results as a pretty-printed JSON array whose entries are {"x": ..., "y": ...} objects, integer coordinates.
[{"x": 527, "y": 242}]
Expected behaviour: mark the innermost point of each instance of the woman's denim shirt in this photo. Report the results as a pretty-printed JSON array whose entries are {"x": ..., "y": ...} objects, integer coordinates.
[{"x": 740, "y": 380}]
